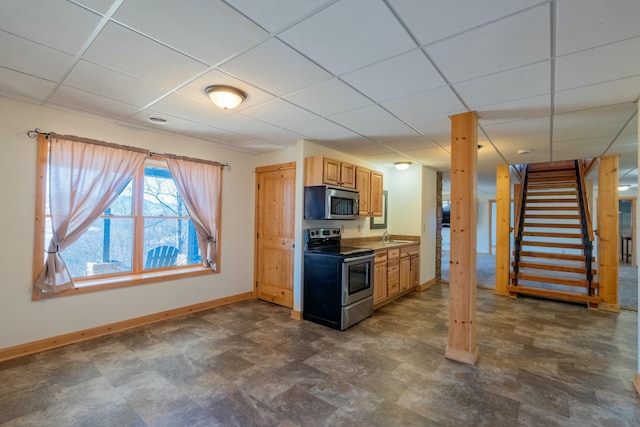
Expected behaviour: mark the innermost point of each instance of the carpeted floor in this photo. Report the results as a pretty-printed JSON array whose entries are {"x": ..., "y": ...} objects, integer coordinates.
[{"x": 485, "y": 266}]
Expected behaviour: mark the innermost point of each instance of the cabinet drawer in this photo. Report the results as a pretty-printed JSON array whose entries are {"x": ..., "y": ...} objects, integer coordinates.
[
  {"x": 393, "y": 253},
  {"x": 393, "y": 271},
  {"x": 381, "y": 257},
  {"x": 409, "y": 250}
]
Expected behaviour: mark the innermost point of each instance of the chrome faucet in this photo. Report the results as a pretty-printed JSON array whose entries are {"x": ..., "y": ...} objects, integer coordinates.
[{"x": 385, "y": 236}]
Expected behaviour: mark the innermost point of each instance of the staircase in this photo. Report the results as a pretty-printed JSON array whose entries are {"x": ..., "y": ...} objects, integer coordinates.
[{"x": 553, "y": 255}]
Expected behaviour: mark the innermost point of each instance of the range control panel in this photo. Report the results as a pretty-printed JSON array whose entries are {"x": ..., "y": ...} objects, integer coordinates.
[{"x": 322, "y": 233}]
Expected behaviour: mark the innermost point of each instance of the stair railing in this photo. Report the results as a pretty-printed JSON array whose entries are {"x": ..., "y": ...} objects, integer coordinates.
[
  {"x": 585, "y": 219},
  {"x": 520, "y": 222}
]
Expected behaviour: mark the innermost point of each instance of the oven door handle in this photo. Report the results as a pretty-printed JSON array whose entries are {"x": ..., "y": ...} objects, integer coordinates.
[{"x": 358, "y": 259}]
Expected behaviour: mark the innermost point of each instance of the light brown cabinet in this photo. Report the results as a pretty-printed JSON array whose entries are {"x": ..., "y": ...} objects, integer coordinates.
[
  {"x": 319, "y": 170},
  {"x": 369, "y": 183},
  {"x": 396, "y": 273},
  {"x": 380, "y": 277}
]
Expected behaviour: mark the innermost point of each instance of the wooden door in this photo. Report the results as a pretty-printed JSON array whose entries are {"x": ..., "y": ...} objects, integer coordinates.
[{"x": 275, "y": 203}]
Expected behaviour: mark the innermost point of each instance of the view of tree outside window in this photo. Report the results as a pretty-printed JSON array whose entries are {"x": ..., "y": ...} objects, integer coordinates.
[{"x": 107, "y": 247}]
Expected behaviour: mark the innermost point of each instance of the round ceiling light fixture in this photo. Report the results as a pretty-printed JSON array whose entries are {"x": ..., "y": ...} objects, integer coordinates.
[
  {"x": 524, "y": 151},
  {"x": 225, "y": 97},
  {"x": 402, "y": 166}
]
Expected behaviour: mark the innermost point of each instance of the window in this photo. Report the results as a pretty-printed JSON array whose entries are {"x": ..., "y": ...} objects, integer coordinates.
[{"x": 145, "y": 234}]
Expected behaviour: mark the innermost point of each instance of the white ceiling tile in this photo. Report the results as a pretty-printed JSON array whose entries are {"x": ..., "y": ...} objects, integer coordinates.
[
  {"x": 187, "y": 108},
  {"x": 58, "y": 24},
  {"x": 32, "y": 58},
  {"x": 609, "y": 130},
  {"x": 434, "y": 127},
  {"x": 279, "y": 113},
  {"x": 505, "y": 86},
  {"x": 520, "y": 109},
  {"x": 514, "y": 128},
  {"x": 174, "y": 124},
  {"x": 275, "y": 68},
  {"x": 411, "y": 144},
  {"x": 441, "y": 101},
  {"x": 371, "y": 150},
  {"x": 614, "y": 61},
  {"x": 209, "y": 23},
  {"x": 196, "y": 89},
  {"x": 328, "y": 37},
  {"x": 100, "y": 6},
  {"x": 363, "y": 118},
  {"x": 112, "y": 84},
  {"x": 142, "y": 58},
  {"x": 319, "y": 129},
  {"x": 396, "y": 77},
  {"x": 280, "y": 136},
  {"x": 391, "y": 132},
  {"x": 84, "y": 101},
  {"x": 504, "y": 45},
  {"x": 212, "y": 133},
  {"x": 329, "y": 97},
  {"x": 23, "y": 85},
  {"x": 431, "y": 20},
  {"x": 580, "y": 149},
  {"x": 602, "y": 115},
  {"x": 609, "y": 93},
  {"x": 275, "y": 15},
  {"x": 244, "y": 125},
  {"x": 583, "y": 24}
]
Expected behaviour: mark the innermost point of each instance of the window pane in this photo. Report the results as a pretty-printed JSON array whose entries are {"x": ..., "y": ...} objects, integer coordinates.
[
  {"x": 161, "y": 197},
  {"x": 176, "y": 234},
  {"x": 105, "y": 248},
  {"x": 122, "y": 206}
]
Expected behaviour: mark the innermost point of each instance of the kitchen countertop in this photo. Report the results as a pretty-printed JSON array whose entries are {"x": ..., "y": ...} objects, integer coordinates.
[{"x": 379, "y": 245}]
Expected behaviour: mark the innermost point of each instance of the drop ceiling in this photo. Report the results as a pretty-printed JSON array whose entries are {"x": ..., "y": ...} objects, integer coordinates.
[{"x": 377, "y": 79}]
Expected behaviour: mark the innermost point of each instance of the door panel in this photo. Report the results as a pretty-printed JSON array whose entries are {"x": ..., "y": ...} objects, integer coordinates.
[{"x": 275, "y": 233}]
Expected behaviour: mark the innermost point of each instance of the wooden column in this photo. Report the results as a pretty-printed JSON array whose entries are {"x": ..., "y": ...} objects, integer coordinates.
[
  {"x": 462, "y": 344},
  {"x": 503, "y": 228},
  {"x": 608, "y": 239}
]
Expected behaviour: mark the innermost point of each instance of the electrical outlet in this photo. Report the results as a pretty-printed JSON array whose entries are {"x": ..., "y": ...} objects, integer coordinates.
[
  {"x": 342, "y": 228},
  {"x": 359, "y": 228}
]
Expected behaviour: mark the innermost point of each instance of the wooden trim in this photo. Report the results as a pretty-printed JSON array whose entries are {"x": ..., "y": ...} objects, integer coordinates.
[
  {"x": 503, "y": 229},
  {"x": 426, "y": 285},
  {"x": 86, "y": 334},
  {"x": 636, "y": 382},
  {"x": 468, "y": 357},
  {"x": 296, "y": 314},
  {"x": 614, "y": 308}
]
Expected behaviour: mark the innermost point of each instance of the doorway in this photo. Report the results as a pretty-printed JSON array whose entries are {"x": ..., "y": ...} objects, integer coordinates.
[
  {"x": 627, "y": 227},
  {"x": 274, "y": 239}
]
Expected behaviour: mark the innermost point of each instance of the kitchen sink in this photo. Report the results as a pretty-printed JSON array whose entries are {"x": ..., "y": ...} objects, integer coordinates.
[{"x": 398, "y": 241}]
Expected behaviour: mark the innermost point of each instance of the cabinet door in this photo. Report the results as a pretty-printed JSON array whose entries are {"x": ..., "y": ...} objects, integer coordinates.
[
  {"x": 375, "y": 198},
  {"x": 415, "y": 270},
  {"x": 332, "y": 171},
  {"x": 347, "y": 175},
  {"x": 393, "y": 277},
  {"x": 405, "y": 273},
  {"x": 380, "y": 282},
  {"x": 363, "y": 177}
]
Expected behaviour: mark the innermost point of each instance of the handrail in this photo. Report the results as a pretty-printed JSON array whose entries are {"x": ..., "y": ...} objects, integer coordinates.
[
  {"x": 520, "y": 221},
  {"x": 587, "y": 231}
]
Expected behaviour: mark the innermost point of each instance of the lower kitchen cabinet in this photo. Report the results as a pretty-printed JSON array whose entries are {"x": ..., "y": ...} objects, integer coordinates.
[{"x": 396, "y": 273}]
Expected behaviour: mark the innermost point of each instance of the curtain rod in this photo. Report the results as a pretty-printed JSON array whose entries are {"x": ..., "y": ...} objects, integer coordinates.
[{"x": 34, "y": 133}]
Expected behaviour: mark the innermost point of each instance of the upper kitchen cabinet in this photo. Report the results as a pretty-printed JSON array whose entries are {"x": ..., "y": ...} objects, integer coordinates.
[
  {"x": 319, "y": 170},
  {"x": 369, "y": 183}
]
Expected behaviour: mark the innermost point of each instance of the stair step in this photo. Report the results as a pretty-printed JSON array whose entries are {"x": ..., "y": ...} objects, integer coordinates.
[
  {"x": 558, "y": 165},
  {"x": 551, "y": 225},
  {"x": 551, "y": 255},
  {"x": 553, "y": 244},
  {"x": 554, "y": 235},
  {"x": 554, "y": 267},
  {"x": 531, "y": 193},
  {"x": 549, "y": 201},
  {"x": 552, "y": 208},
  {"x": 551, "y": 216},
  {"x": 553, "y": 294},
  {"x": 547, "y": 177},
  {"x": 564, "y": 281},
  {"x": 543, "y": 185}
]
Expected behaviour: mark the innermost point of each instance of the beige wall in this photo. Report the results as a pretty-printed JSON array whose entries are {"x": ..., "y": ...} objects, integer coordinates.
[{"x": 22, "y": 320}]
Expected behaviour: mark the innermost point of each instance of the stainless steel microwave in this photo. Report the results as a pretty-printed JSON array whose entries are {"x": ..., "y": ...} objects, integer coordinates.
[{"x": 325, "y": 202}]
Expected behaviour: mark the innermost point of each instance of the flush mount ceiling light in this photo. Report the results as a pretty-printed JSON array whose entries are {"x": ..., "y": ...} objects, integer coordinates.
[
  {"x": 157, "y": 120},
  {"x": 402, "y": 166},
  {"x": 623, "y": 188},
  {"x": 225, "y": 97},
  {"x": 524, "y": 151}
]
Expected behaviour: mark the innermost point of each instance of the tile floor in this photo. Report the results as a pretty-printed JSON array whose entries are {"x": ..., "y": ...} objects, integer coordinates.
[{"x": 542, "y": 363}]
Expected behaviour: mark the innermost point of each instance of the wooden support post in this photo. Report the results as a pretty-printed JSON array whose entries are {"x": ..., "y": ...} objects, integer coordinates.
[
  {"x": 503, "y": 228},
  {"x": 462, "y": 344},
  {"x": 608, "y": 233}
]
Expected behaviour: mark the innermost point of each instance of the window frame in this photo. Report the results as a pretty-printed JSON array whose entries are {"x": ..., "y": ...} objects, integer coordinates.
[{"x": 105, "y": 281}]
